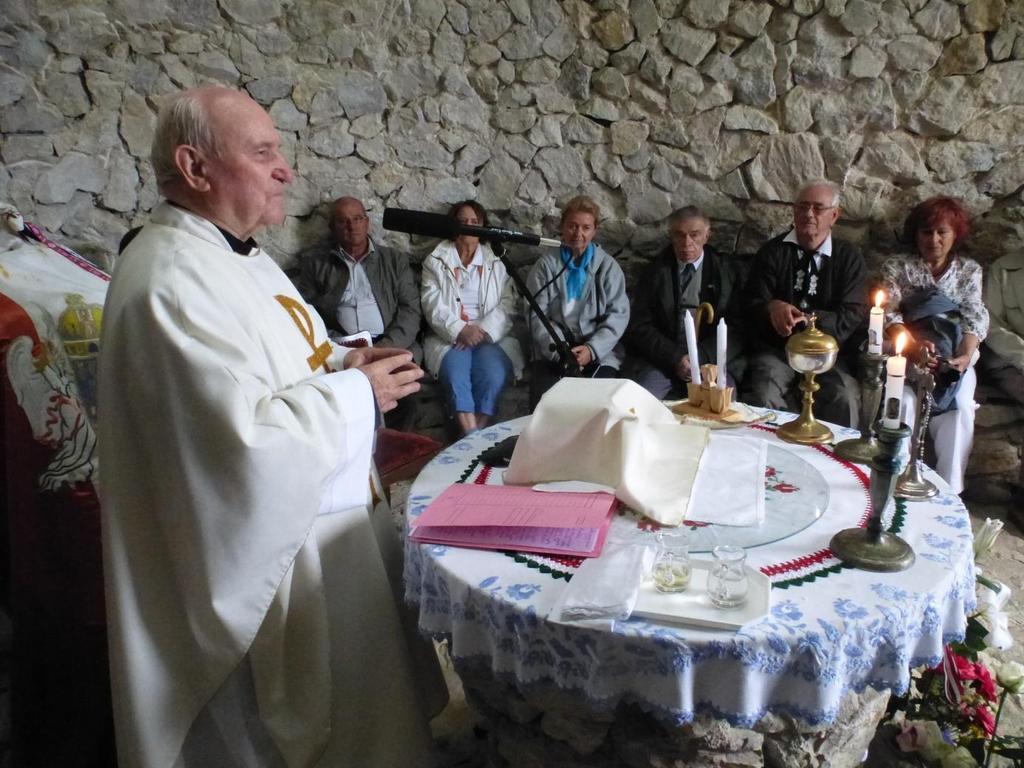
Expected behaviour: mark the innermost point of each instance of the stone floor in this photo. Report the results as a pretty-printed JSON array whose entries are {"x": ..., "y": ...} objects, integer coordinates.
[{"x": 462, "y": 744}]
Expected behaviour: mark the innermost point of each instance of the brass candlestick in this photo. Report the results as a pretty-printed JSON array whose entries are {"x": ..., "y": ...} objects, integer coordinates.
[
  {"x": 912, "y": 484},
  {"x": 872, "y": 548},
  {"x": 809, "y": 352},
  {"x": 862, "y": 449}
]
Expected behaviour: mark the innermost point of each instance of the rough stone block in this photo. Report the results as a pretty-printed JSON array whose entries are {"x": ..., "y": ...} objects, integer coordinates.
[
  {"x": 998, "y": 415},
  {"x": 614, "y": 30},
  {"x": 994, "y": 457}
]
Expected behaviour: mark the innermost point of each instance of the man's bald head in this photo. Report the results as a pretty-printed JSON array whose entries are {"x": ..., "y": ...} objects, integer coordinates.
[
  {"x": 350, "y": 226},
  {"x": 216, "y": 152}
]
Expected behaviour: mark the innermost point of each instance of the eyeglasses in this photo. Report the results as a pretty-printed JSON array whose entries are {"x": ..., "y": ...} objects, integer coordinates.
[
  {"x": 816, "y": 208},
  {"x": 352, "y": 220}
]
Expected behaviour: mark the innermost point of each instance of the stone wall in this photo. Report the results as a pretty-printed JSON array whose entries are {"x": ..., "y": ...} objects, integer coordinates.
[{"x": 645, "y": 104}]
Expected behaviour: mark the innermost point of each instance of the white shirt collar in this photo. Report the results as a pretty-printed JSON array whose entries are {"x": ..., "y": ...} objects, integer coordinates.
[
  {"x": 696, "y": 264},
  {"x": 478, "y": 258},
  {"x": 825, "y": 249},
  {"x": 348, "y": 257}
]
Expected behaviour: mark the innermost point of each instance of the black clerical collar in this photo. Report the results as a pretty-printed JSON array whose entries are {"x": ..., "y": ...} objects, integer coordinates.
[
  {"x": 238, "y": 246},
  {"x": 243, "y": 248}
]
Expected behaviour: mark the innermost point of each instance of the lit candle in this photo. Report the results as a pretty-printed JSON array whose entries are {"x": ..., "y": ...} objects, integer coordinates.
[
  {"x": 720, "y": 346},
  {"x": 875, "y": 325},
  {"x": 691, "y": 347},
  {"x": 896, "y": 370}
]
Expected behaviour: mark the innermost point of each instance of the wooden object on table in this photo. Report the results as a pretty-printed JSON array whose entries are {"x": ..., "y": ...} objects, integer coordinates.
[{"x": 706, "y": 396}]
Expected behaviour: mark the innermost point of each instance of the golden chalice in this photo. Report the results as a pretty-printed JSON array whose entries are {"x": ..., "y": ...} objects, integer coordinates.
[{"x": 809, "y": 352}]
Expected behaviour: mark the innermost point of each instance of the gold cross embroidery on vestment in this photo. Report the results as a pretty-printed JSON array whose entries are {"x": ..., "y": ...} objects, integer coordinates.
[{"x": 300, "y": 316}]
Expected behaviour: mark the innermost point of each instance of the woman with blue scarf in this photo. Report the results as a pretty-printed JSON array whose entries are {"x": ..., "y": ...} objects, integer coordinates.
[{"x": 582, "y": 290}]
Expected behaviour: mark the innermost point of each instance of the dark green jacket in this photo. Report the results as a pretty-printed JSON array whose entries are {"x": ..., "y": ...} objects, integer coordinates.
[{"x": 324, "y": 276}]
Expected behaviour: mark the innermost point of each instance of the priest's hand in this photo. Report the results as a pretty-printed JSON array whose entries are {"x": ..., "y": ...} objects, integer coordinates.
[
  {"x": 391, "y": 372},
  {"x": 784, "y": 317}
]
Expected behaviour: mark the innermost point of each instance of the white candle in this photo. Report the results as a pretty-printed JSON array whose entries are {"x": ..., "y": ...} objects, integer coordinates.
[
  {"x": 691, "y": 347},
  {"x": 896, "y": 370},
  {"x": 720, "y": 347},
  {"x": 875, "y": 325}
]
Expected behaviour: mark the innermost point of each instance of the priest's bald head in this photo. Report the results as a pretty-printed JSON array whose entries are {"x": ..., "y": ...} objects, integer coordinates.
[{"x": 216, "y": 152}]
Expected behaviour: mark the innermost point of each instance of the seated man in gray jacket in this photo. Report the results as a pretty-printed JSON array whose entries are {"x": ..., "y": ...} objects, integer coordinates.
[{"x": 358, "y": 285}]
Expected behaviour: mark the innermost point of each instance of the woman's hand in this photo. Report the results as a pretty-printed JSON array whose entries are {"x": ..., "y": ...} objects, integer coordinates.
[
  {"x": 470, "y": 336},
  {"x": 960, "y": 362},
  {"x": 965, "y": 352},
  {"x": 583, "y": 355}
]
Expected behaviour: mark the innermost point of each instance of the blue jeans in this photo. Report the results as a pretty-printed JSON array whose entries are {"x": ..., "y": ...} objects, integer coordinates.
[{"x": 472, "y": 379}]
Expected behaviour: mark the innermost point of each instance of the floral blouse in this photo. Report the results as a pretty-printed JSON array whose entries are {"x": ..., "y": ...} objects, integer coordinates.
[{"x": 961, "y": 282}]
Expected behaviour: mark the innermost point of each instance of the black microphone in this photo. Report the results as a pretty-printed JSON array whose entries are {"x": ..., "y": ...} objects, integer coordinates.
[{"x": 445, "y": 228}]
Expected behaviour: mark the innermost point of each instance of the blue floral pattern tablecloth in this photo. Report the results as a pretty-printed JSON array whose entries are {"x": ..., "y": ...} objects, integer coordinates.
[{"x": 831, "y": 629}]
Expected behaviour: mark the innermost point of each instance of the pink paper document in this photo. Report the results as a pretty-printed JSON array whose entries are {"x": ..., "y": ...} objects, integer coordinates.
[{"x": 513, "y": 517}]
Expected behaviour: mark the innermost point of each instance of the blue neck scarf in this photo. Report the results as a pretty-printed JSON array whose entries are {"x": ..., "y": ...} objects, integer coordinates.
[{"x": 576, "y": 274}]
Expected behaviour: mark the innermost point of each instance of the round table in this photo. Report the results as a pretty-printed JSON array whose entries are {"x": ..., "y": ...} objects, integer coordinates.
[{"x": 832, "y": 632}]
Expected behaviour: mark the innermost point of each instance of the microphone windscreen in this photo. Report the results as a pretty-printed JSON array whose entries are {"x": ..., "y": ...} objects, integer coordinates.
[{"x": 419, "y": 223}]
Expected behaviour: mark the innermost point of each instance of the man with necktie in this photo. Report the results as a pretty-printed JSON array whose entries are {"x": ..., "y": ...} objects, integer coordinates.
[
  {"x": 802, "y": 272},
  {"x": 688, "y": 273}
]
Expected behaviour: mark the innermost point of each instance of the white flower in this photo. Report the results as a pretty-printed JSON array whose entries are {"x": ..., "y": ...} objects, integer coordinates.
[
  {"x": 986, "y": 536},
  {"x": 958, "y": 758},
  {"x": 1011, "y": 676},
  {"x": 923, "y": 737},
  {"x": 995, "y": 618}
]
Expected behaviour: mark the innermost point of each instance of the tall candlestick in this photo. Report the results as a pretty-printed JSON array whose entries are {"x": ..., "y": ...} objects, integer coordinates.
[
  {"x": 691, "y": 347},
  {"x": 875, "y": 325},
  {"x": 720, "y": 348},
  {"x": 896, "y": 370}
]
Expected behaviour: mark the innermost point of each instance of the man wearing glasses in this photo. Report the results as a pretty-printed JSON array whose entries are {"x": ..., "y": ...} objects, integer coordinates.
[
  {"x": 358, "y": 286},
  {"x": 800, "y": 273}
]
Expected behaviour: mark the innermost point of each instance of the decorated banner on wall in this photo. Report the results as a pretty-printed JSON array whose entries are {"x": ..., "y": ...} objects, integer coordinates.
[{"x": 51, "y": 307}]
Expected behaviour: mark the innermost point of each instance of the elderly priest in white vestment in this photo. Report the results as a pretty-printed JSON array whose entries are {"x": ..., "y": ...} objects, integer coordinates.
[{"x": 250, "y": 615}]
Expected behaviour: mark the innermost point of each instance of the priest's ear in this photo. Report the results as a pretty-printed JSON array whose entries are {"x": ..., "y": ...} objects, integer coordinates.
[{"x": 193, "y": 166}]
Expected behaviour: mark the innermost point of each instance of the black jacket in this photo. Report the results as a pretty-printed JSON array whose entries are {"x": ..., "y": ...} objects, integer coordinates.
[
  {"x": 653, "y": 332},
  {"x": 841, "y": 299}
]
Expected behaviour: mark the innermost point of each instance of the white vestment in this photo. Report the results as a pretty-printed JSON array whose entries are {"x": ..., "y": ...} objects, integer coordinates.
[{"x": 251, "y": 620}]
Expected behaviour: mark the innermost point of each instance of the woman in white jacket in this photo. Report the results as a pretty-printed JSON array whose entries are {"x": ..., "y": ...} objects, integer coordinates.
[{"x": 468, "y": 302}]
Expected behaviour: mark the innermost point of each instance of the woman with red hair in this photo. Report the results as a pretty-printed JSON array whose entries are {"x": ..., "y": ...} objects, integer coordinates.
[{"x": 935, "y": 298}]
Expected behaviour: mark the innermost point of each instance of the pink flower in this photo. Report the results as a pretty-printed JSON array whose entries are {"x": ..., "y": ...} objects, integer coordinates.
[
  {"x": 981, "y": 716},
  {"x": 986, "y": 720}
]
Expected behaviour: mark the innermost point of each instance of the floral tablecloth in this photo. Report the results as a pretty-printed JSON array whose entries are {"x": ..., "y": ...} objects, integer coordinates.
[{"x": 831, "y": 629}]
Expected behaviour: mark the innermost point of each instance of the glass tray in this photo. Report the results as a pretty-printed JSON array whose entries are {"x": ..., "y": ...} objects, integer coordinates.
[{"x": 693, "y": 606}]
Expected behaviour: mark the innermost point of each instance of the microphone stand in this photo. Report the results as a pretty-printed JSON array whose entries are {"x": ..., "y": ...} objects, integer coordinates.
[
  {"x": 500, "y": 454},
  {"x": 565, "y": 356}
]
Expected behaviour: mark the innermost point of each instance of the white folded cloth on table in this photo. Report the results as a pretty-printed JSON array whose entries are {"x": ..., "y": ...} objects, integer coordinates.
[
  {"x": 729, "y": 489},
  {"x": 614, "y": 432},
  {"x": 605, "y": 587}
]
